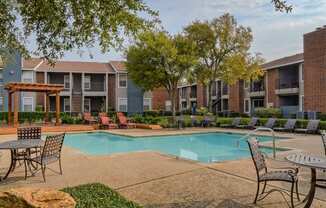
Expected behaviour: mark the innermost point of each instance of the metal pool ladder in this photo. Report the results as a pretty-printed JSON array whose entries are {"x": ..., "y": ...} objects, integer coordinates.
[{"x": 260, "y": 129}]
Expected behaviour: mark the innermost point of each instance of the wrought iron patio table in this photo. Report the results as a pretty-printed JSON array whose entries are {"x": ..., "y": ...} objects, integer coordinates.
[
  {"x": 14, "y": 146},
  {"x": 314, "y": 163}
]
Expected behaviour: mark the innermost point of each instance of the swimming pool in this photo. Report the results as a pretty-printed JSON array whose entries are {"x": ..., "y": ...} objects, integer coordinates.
[{"x": 208, "y": 147}]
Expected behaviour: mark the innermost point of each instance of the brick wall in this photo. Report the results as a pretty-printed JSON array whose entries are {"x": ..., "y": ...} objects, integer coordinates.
[
  {"x": 315, "y": 71},
  {"x": 201, "y": 96},
  {"x": 159, "y": 96},
  {"x": 111, "y": 91},
  {"x": 236, "y": 97},
  {"x": 40, "y": 96},
  {"x": 270, "y": 87}
]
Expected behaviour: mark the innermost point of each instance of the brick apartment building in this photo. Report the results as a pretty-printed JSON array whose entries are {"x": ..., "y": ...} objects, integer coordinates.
[
  {"x": 88, "y": 86},
  {"x": 294, "y": 83}
]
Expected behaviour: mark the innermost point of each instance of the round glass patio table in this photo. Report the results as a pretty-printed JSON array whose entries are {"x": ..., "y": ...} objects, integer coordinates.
[
  {"x": 14, "y": 146},
  {"x": 312, "y": 162}
]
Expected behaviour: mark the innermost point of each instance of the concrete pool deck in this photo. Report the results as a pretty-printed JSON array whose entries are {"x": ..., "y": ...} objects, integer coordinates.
[{"x": 157, "y": 180}]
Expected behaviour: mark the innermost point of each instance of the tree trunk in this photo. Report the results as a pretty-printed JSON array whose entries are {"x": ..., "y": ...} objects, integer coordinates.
[{"x": 173, "y": 101}]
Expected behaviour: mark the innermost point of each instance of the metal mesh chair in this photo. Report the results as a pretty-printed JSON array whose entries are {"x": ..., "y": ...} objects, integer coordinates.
[
  {"x": 323, "y": 138},
  {"x": 29, "y": 133},
  {"x": 51, "y": 152},
  {"x": 264, "y": 175}
]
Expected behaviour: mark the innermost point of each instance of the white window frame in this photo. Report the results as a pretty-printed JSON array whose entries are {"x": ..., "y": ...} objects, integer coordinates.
[
  {"x": 244, "y": 105},
  {"x": 246, "y": 84},
  {"x": 1, "y": 104},
  {"x": 119, "y": 102},
  {"x": 30, "y": 77},
  {"x": 150, "y": 104},
  {"x": 87, "y": 80},
  {"x": 119, "y": 86},
  {"x": 88, "y": 101},
  {"x": 65, "y": 100},
  {"x": 66, "y": 80},
  {"x": 24, "y": 98}
]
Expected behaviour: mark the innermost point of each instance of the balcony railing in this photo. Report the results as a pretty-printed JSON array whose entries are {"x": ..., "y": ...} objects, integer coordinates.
[
  {"x": 287, "y": 84},
  {"x": 258, "y": 87}
]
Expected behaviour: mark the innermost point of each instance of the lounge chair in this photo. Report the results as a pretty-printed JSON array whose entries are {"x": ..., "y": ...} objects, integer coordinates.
[
  {"x": 124, "y": 122},
  {"x": 88, "y": 118},
  {"x": 51, "y": 152},
  {"x": 251, "y": 125},
  {"x": 180, "y": 122},
  {"x": 194, "y": 121},
  {"x": 270, "y": 123},
  {"x": 208, "y": 121},
  {"x": 288, "y": 126},
  {"x": 312, "y": 127},
  {"x": 235, "y": 123},
  {"x": 106, "y": 122},
  {"x": 264, "y": 175},
  {"x": 323, "y": 138}
]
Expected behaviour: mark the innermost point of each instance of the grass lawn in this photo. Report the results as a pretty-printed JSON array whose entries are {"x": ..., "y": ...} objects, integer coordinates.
[{"x": 97, "y": 195}]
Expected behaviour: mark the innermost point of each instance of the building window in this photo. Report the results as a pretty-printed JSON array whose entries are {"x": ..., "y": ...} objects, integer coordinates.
[
  {"x": 87, "y": 105},
  {"x": 258, "y": 103},
  {"x": 122, "y": 80},
  {"x": 1, "y": 78},
  {"x": 246, "y": 84},
  {"x": 1, "y": 104},
  {"x": 27, "y": 77},
  {"x": 27, "y": 104},
  {"x": 184, "y": 105},
  {"x": 66, "y": 81},
  {"x": 87, "y": 82},
  {"x": 147, "y": 104},
  {"x": 123, "y": 104},
  {"x": 247, "y": 105},
  {"x": 168, "y": 105},
  {"x": 66, "y": 104}
]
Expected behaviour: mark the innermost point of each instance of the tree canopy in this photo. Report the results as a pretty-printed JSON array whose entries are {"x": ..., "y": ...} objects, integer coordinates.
[
  {"x": 63, "y": 25},
  {"x": 282, "y": 5},
  {"x": 158, "y": 59},
  {"x": 223, "y": 50}
]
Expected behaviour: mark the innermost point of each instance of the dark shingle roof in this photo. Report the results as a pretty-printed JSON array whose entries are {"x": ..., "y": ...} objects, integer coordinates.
[{"x": 297, "y": 58}]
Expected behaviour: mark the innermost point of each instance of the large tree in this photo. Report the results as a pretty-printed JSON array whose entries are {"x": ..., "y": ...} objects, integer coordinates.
[
  {"x": 62, "y": 25},
  {"x": 157, "y": 60},
  {"x": 223, "y": 47}
]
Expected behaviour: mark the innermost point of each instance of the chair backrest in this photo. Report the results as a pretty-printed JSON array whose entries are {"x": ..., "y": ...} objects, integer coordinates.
[
  {"x": 253, "y": 121},
  {"x": 290, "y": 124},
  {"x": 257, "y": 156},
  {"x": 52, "y": 147},
  {"x": 323, "y": 138},
  {"x": 105, "y": 119},
  {"x": 236, "y": 121},
  {"x": 313, "y": 125},
  {"x": 270, "y": 123},
  {"x": 87, "y": 115},
  {"x": 29, "y": 133}
]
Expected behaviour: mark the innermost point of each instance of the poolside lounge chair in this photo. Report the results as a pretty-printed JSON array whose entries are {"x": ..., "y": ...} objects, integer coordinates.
[
  {"x": 194, "y": 121},
  {"x": 88, "y": 118},
  {"x": 235, "y": 123},
  {"x": 208, "y": 121},
  {"x": 251, "y": 125},
  {"x": 288, "y": 126},
  {"x": 270, "y": 123},
  {"x": 323, "y": 138},
  {"x": 264, "y": 175},
  {"x": 51, "y": 152},
  {"x": 312, "y": 127},
  {"x": 124, "y": 122},
  {"x": 106, "y": 122},
  {"x": 180, "y": 122}
]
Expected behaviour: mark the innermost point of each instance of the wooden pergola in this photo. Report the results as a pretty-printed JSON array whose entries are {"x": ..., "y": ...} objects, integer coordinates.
[{"x": 14, "y": 88}]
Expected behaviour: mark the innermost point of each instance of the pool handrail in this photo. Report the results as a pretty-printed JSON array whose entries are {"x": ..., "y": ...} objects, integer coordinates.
[{"x": 260, "y": 129}]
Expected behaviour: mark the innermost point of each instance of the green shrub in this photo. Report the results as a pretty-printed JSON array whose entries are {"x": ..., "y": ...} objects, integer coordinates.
[{"x": 268, "y": 112}]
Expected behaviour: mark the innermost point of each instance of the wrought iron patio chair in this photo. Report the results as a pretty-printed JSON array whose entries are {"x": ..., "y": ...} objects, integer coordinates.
[
  {"x": 51, "y": 152},
  {"x": 265, "y": 175}
]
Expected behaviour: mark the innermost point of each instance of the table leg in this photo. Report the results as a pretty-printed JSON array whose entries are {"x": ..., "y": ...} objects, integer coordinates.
[
  {"x": 12, "y": 164},
  {"x": 311, "y": 194}
]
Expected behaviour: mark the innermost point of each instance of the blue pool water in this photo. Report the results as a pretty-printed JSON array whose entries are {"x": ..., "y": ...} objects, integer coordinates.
[{"x": 208, "y": 147}]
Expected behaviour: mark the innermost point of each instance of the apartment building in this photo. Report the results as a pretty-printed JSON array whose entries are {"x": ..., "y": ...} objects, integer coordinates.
[
  {"x": 88, "y": 86},
  {"x": 293, "y": 83}
]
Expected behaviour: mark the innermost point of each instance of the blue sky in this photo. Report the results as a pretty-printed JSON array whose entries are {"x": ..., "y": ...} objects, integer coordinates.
[{"x": 275, "y": 34}]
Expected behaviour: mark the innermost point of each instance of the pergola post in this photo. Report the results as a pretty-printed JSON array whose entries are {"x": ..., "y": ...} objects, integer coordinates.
[
  {"x": 47, "y": 107},
  {"x": 9, "y": 108},
  {"x": 57, "y": 108},
  {"x": 16, "y": 108}
]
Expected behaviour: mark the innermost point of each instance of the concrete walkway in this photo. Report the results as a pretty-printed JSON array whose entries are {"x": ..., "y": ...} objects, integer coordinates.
[{"x": 157, "y": 180}]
